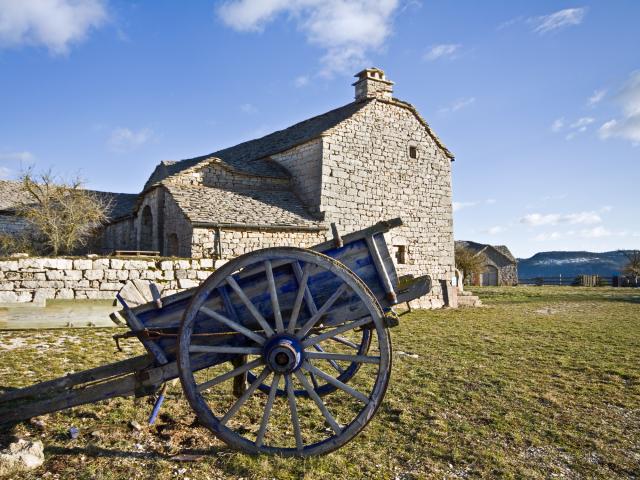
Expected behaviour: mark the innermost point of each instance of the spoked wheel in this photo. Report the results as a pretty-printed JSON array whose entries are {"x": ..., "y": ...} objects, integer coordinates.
[
  {"x": 278, "y": 339},
  {"x": 358, "y": 342}
]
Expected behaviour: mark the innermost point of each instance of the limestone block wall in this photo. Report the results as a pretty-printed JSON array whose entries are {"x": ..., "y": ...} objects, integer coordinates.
[
  {"x": 216, "y": 175},
  {"x": 368, "y": 175},
  {"x": 176, "y": 223},
  {"x": 304, "y": 163},
  {"x": 119, "y": 235},
  {"x": 234, "y": 242},
  {"x": 38, "y": 279}
]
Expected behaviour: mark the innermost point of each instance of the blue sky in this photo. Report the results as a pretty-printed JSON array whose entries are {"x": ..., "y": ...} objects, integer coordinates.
[{"x": 539, "y": 100}]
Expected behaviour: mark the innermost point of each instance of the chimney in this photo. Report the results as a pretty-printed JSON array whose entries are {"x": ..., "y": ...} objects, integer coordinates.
[{"x": 372, "y": 83}]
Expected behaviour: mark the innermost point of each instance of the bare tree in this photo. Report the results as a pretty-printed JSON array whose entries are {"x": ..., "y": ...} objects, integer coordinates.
[
  {"x": 62, "y": 214},
  {"x": 469, "y": 262},
  {"x": 632, "y": 267}
]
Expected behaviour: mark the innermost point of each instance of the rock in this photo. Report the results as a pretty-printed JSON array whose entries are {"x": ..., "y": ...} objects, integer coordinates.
[
  {"x": 186, "y": 283},
  {"x": 82, "y": 264},
  {"x": 135, "y": 425},
  {"x": 19, "y": 255},
  {"x": 39, "y": 423},
  {"x": 21, "y": 455}
]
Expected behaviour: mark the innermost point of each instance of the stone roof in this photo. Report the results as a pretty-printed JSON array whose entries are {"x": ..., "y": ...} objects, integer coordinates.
[
  {"x": 212, "y": 206},
  {"x": 480, "y": 247},
  {"x": 12, "y": 195}
]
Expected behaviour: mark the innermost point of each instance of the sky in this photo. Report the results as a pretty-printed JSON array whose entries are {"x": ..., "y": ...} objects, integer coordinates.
[{"x": 538, "y": 100}]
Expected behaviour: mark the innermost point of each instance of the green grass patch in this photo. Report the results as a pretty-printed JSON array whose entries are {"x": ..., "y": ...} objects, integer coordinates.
[{"x": 541, "y": 382}]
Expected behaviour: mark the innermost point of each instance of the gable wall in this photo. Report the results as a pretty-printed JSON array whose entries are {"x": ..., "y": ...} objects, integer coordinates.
[
  {"x": 368, "y": 176},
  {"x": 214, "y": 175},
  {"x": 304, "y": 163}
]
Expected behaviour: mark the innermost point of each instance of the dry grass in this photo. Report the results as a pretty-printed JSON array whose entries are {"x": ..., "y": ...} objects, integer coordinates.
[{"x": 542, "y": 382}]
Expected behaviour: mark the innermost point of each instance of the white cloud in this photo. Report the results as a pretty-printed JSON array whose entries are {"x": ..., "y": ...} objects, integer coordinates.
[
  {"x": 125, "y": 140},
  {"x": 248, "y": 108},
  {"x": 581, "y": 218},
  {"x": 582, "y": 123},
  {"x": 457, "y": 206},
  {"x": 557, "y": 125},
  {"x": 458, "y": 104},
  {"x": 301, "y": 81},
  {"x": 442, "y": 51},
  {"x": 597, "y": 97},
  {"x": 558, "y": 20},
  {"x": 347, "y": 30},
  {"x": 628, "y": 125},
  {"x": 55, "y": 24},
  {"x": 19, "y": 156},
  {"x": 543, "y": 237},
  {"x": 494, "y": 230},
  {"x": 574, "y": 128}
]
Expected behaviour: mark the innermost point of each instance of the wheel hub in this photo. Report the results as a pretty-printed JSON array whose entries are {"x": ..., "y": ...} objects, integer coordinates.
[{"x": 283, "y": 354}]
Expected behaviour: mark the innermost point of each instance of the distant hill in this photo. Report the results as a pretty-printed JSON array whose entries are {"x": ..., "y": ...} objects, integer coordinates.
[{"x": 571, "y": 264}]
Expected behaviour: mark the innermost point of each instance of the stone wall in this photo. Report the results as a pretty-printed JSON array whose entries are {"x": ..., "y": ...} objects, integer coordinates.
[
  {"x": 235, "y": 242},
  {"x": 304, "y": 163},
  {"x": 39, "y": 279},
  {"x": 216, "y": 175},
  {"x": 369, "y": 175}
]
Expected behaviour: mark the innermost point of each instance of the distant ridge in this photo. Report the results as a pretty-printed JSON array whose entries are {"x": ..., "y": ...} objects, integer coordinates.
[{"x": 571, "y": 264}]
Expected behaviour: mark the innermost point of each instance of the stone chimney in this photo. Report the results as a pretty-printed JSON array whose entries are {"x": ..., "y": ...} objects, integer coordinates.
[{"x": 372, "y": 83}]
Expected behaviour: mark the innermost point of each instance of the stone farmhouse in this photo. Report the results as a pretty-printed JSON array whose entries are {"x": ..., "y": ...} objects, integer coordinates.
[
  {"x": 501, "y": 267},
  {"x": 372, "y": 159}
]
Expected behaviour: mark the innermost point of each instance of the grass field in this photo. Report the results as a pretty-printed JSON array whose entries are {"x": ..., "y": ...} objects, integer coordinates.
[{"x": 541, "y": 382}]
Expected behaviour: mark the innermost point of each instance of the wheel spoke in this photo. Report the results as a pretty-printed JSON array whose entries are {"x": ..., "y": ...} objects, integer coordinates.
[
  {"x": 311, "y": 304},
  {"x": 294, "y": 412},
  {"x": 233, "y": 325},
  {"x": 245, "y": 396},
  {"x": 275, "y": 305},
  {"x": 327, "y": 305},
  {"x": 314, "y": 380},
  {"x": 346, "y": 342},
  {"x": 267, "y": 409},
  {"x": 225, "y": 349},
  {"x": 250, "y": 306},
  {"x": 321, "y": 406},
  {"x": 331, "y": 360},
  {"x": 302, "y": 287},
  {"x": 334, "y": 381},
  {"x": 332, "y": 357},
  {"x": 233, "y": 373},
  {"x": 332, "y": 333}
]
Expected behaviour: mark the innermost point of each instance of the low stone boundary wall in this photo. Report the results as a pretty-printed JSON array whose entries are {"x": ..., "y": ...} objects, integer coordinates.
[{"x": 39, "y": 279}]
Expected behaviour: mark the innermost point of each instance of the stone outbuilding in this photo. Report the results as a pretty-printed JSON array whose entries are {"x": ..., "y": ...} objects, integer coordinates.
[{"x": 501, "y": 267}]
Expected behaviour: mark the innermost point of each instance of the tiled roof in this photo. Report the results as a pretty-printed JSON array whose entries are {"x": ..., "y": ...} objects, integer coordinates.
[
  {"x": 12, "y": 195},
  {"x": 215, "y": 206}
]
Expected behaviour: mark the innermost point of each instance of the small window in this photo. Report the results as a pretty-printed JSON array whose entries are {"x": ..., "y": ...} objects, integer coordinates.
[
  {"x": 413, "y": 152},
  {"x": 401, "y": 254}
]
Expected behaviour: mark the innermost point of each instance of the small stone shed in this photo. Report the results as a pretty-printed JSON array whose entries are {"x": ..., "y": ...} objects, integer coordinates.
[{"x": 501, "y": 267}]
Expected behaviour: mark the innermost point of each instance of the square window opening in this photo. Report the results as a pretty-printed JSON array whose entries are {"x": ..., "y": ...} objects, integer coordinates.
[
  {"x": 413, "y": 152},
  {"x": 401, "y": 254}
]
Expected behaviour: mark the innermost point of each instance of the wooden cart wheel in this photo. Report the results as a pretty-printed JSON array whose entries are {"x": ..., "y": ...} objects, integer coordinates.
[
  {"x": 358, "y": 342},
  {"x": 282, "y": 349}
]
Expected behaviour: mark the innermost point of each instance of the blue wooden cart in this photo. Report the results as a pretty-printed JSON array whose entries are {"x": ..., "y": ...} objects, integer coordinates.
[{"x": 281, "y": 351}]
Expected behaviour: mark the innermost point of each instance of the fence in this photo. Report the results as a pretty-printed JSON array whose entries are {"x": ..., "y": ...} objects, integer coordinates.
[{"x": 581, "y": 280}]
